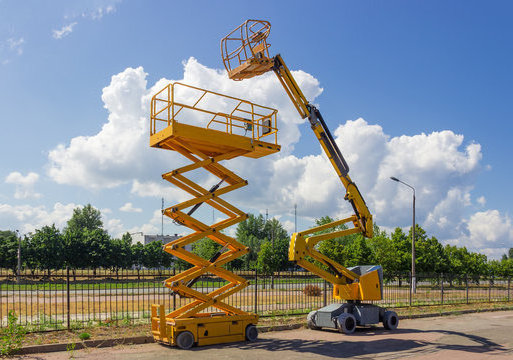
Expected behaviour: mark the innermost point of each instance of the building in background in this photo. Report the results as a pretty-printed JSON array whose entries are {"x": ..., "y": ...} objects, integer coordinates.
[{"x": 139, "y": 237}]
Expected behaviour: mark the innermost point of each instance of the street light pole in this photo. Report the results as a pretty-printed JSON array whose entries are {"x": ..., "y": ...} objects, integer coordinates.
[
  {"x": 413, "y": 281},
  {"x": 19, "y": 256}
]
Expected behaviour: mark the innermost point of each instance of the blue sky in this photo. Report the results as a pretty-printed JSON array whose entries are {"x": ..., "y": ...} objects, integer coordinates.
[{"x": 429, "y": 81}]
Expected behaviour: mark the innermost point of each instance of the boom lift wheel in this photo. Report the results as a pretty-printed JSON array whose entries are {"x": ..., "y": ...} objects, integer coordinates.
[
  {"x": 310, "y": 320},
  {"x": 251, "y": 332},
  {"x": 390, "y": 320},
  {"x": 185, "y": 340},
  {"x": 346, "y": 323}
]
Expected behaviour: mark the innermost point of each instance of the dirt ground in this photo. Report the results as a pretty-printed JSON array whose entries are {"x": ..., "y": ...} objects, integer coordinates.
[{"x": 471, "y": 336}]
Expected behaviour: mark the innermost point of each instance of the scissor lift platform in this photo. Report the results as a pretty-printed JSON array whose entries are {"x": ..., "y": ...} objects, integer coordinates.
[
  {"x": 210, "y": 142},
  {"x": 240, "y": 125},
  {"x": 207, "y": 128}
]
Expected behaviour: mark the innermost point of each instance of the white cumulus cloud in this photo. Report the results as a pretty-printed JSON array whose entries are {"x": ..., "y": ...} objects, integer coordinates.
[
  {"x": 128, "y": 207},
  {"x": 24, "y": 184},
  {"x": 489, "y": 232},
  {"x": 27, "y": 218}
]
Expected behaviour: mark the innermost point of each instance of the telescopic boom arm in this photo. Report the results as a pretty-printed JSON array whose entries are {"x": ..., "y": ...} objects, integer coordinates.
[{"x": 250, "y": 57}]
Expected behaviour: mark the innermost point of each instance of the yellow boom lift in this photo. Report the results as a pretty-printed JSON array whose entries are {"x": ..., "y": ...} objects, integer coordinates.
[
  {"x": 245, "y": 53},
  {"x": 207, "y": 128}
]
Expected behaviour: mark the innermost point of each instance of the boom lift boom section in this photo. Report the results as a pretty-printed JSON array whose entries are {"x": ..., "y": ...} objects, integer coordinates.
[{"x": 245, "y": 54}]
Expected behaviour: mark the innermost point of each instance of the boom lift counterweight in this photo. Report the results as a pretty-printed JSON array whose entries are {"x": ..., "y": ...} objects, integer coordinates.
[{"x": 245, "y": 53}]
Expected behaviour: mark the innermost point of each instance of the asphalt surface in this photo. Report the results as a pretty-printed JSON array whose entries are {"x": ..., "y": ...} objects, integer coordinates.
[{"x": 471, "y": 336}]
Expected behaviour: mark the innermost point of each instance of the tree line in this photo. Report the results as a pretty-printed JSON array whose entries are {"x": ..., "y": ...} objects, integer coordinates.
[{"x": 84, "y": 243}]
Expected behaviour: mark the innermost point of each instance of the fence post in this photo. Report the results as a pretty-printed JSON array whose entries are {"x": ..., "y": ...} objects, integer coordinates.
[
  {"x": 68, "y": 298},
  {"x": 410, "y": 286},
  {"x": 509, "y": 283},
  {"x": 256, "y": 292},
  {"x": 490, "y": 280},
  {"x": 325, "y": 290},
  {"x": 174, "y": 294},
  {"x": 466, "y": 285},
  {"x": 442, "y": 286}
]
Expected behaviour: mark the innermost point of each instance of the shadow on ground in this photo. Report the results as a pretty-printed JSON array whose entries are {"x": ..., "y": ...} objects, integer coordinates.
[{"x": 382, "y": 347}]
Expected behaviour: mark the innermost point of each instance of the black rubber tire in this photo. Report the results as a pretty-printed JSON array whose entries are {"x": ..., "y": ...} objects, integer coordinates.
[
  {"x": 185, "y": 340},
  {"x": 346, "y": 323},
  {"x": 390, "y": 320},
  {"x": 310, "y": 321},
  {"x": 251, "y": 332}
]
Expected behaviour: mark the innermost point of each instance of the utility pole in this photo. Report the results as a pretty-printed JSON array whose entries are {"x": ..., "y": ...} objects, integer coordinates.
[
  {"x": 162, "y": 211},
  {"x": 295, "y": 218}
]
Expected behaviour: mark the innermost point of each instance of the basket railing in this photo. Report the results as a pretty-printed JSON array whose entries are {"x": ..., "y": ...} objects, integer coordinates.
[{"x": 184, "y": 103}]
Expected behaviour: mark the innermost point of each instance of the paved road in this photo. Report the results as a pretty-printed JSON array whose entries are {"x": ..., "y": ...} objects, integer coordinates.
[{"x": 476, "y": 336}]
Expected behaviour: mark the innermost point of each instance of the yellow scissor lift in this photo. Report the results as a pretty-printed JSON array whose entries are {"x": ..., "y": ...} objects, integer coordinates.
[{"x": 207, "y": 128}]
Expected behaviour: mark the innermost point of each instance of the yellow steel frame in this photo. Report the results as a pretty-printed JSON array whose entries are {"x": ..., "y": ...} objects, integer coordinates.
[
  {"x": 206, "y": 148},
  {"x": 245, "y": 53}
]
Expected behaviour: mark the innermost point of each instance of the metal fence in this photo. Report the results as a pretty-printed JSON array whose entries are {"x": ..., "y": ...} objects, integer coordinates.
[{"x": 74, "y": 299}]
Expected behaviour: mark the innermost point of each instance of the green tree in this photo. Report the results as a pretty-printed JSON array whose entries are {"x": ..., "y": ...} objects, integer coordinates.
[
  {"x": 495, "y": 267},
  {"x": 476, "y": 265},
  {"x": 84, "y": 233},
  {"x": 273, "y": 254},
  {"x": 155, "y": 257},
  {"x": 85, "y": 218},
  {"x": 152, "y": 255},
  {"x": 272, "y": 258},
  {"x": 9, "y": 250},
  {"x": 137, "y": 255},
  {"x": 381, "y": 247},
  {"x": 507, "y": 267},
  {"x": 48, "y": 245},
  {"x": 430, "y": 256},
  {"x": 205, "y": 248},
  {"x": 457, "y": 258},
  {"x": 98, "y": 248},
  {"x": 251, "y": 233},
  {"x": 121, "y": 253},
  {"x": 401, "y": 248},
  {"x": 273, "y": 229},
  {"x": 75, "y": 249},
  {"x": 358, "y": 252},
  {"x": 29, "y": 255},
  {"x": 334, "y": 248}
]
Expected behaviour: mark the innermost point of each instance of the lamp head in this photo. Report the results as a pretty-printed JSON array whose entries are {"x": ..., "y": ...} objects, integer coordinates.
[{"x": 394, "y": 178}]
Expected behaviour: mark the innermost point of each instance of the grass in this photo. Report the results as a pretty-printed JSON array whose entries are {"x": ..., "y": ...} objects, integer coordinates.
[{"x": 84, "y": 336}]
